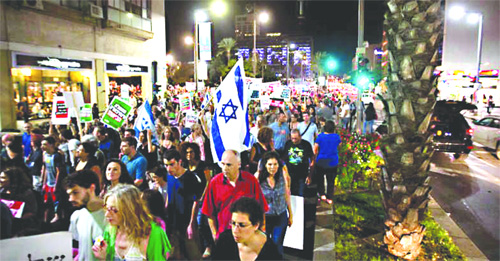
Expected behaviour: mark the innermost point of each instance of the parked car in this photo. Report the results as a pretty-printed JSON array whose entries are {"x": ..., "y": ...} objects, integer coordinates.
[
  {"x": 487, "y": 133},
  {"x": 451, "y": 131}
]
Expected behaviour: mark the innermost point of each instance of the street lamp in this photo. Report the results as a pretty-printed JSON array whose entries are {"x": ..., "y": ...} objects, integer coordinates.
[
  {"x": 263, "y": 18},
  {"x": 458, "y": 12},
  {"x": 288, "y": 47}
]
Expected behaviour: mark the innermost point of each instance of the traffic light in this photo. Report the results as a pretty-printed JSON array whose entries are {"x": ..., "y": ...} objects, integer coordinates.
[{"x": 362, "y": 76}]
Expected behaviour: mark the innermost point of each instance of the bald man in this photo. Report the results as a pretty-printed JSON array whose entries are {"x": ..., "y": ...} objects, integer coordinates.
[{"x": 227, "y": 187}]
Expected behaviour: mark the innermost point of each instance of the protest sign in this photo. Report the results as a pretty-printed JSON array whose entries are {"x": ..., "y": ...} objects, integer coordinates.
[
  {"x": 73, "y": 99},
  {"x": 277, "y": 102},
  {"x": 255, "y": 95},
  {"x": 16, "y": 207},
  {"x": 285, "y": 94},
  {"x": 190, "y": 86},
  {"x": 294, "y": 236},
  {"x": 86, "y": 113},
  {"x": 60, "y": 115},
  {"x": 265, "y": 102},
  {"x": 116, "y": 114},
  {"x": 125, "y": 92},
  {"x": 49, "y": 246},
  {"x": 185, "y": 101}
]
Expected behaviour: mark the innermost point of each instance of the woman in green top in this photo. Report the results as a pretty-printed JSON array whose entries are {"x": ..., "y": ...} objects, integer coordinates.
[{"x": 131, "y": 234}]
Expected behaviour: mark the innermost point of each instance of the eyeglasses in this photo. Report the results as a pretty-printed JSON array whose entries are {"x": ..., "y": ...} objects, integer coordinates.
[
  {"x": 110, "y": 209},
  {"x": 189, "y": 151},
  {"x": 239, "y": 224}
]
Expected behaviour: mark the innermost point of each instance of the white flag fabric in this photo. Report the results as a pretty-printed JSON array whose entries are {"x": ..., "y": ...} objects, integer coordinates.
[
  {"x": 144, "y": 121},
  {"x": 230, "y": 126}
]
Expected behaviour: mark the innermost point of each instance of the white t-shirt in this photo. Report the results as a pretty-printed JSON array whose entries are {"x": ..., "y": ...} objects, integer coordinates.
[
  {"x": 310, "y": 133},
  {"x": 85, "y": 227}
]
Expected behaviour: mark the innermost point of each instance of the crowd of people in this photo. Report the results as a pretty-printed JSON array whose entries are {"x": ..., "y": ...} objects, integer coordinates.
[{"x": 158, "y": 194}]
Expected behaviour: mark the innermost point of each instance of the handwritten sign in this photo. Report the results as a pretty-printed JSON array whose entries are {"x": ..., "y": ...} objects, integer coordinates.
[
  {"x": 60, "y": 115},
  {"x": 117, "y": 112},
  {"x": 49, "y": 246},
  {"x": 185, "y": 102},
  {"x": 86, "y": 112}
]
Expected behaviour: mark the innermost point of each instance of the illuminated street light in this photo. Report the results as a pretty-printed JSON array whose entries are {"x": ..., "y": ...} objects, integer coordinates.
[
  {"x": 188, "y": 40},
  {"x": 263, "y": 18},
  {"x": 219, "y": 8}
]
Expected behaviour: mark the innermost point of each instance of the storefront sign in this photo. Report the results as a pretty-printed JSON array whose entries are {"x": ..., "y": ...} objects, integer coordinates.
[
  {"x": 119, "y": 67},
  {"x": 21, "y": 60},
  {"x": 117, "y": 112},
  {"x": 60, "y": 115},
  {"x": 86, "y": 113},
  {"x": 204, "y": 41}
]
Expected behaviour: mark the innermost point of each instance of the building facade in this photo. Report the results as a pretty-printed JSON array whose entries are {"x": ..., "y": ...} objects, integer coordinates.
[{"x": 92, "y": 46}]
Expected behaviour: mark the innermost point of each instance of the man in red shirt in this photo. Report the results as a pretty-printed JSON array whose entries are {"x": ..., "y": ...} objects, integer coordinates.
[{"x": 227, "y": 187}]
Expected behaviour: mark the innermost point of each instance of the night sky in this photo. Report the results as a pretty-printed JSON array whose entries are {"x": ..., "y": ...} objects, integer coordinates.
[{"x": 332, "y": 24}]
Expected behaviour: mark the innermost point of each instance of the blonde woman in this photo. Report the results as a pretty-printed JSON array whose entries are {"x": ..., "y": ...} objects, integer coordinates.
[
  {"x": 196, "y": 136},
  {"x": 132, "y": 233}
]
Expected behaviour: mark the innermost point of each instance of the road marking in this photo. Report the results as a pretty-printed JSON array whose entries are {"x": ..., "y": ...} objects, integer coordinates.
[{"x": 487, "y": 163}]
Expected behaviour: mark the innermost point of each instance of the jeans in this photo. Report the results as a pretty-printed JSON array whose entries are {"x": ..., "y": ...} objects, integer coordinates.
[
  {"x": 297, "y": 186},
  {"x": 276, "y": 227},
  {"x": 331, "y": 173},
  {"x": 206, "y": 239},
  {"x": 370, "y": 126}
]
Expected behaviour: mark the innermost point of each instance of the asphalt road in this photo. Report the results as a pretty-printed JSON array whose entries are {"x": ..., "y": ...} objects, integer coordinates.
[{"x": 469, "y": 190}]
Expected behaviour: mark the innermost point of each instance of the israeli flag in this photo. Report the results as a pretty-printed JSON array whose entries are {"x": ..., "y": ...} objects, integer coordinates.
[
  {"x": 230, "y": 126},
  {"x": 145, "y": 120}
]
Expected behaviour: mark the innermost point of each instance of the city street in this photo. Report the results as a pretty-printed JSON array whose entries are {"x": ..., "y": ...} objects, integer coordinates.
[{"x": 469, "y": 191}]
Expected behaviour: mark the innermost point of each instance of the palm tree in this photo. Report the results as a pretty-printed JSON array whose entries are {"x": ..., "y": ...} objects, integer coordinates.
[
  {"x": 414, "y": 32},
  {"x": 226, "y": 45},
  {"x": 318, "y": 63}
]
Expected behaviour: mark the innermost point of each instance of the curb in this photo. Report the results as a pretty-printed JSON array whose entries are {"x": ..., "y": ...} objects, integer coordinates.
[{"x": 463, "y": 242}]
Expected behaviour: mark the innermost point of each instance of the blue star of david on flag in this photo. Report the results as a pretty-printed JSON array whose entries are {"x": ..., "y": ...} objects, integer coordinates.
[{"x": 223, "y": 112}]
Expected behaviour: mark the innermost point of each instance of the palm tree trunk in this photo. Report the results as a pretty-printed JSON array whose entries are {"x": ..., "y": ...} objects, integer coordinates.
[{"x": 414, "y": 33}]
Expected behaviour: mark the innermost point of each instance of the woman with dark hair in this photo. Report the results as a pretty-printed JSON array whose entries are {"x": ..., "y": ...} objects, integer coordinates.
[
  {"x": 15, "y": 157},
  {"x": 15, "y": 185},
  {"x": 312, "y": 113},
  {"x": 245, "y": 240},
  {"x": 156, "y": 206},
  {"x": 147, "y": 148},
  {"x": 294, "y": 121},
  {"x": 87, "y": 160},
  {"x": 190, "y": 154},
  {"x": 264, "y": 144},
  {"x": 35, "y": 160},
  {"x": 327, "y": 159},
  {"x": 275, "y": 184},
  {"x": 116, "y": 173}
]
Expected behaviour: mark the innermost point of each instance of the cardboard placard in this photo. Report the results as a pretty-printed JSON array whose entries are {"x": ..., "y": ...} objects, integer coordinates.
[
  {"x": 117, "y": 112},
  {"x": 56, "y": 246},
  {"x": 294, "y": 236},
  {"x": 185, "y": 102},
  {"x": 73, "y": 99},
  {"x": 60, "y": 113},
  {"x": 86, "y": 113}
]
